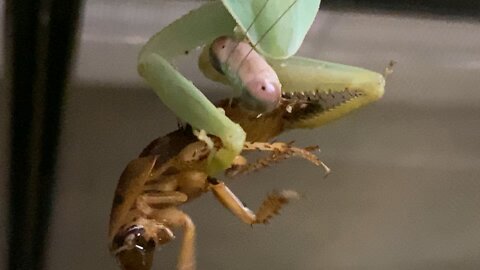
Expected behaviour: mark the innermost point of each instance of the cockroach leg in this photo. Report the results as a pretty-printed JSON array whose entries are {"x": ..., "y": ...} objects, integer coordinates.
[
  {"x": 280, "y": 151},
  {"x": 273, "y": 203},
  {"x": 178, "y": 219},
  {"x": 151, "y": 198},
  {"x": 270, "y": 207}
]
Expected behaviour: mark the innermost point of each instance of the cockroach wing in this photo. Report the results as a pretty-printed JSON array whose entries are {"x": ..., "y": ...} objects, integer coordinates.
[{"x": 129, "y": 187}]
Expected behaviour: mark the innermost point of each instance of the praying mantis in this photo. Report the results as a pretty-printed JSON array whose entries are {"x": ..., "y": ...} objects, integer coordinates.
[{"x": 249, "y": 45}]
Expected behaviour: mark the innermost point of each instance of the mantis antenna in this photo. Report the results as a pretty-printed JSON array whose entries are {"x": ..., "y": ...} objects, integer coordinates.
[
  {"x": 251, "y": 77},
  {"x": 267, "y": 31},
  {"x": 248, "y": 29}
]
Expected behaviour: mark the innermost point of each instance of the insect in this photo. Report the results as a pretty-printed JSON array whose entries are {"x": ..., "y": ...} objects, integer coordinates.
[
  {"x": 171, "y": 171},
  {"x": 249, "y": 74},
  {"x": 176, "y": 168},
  {"x": 276, "y": 30}
]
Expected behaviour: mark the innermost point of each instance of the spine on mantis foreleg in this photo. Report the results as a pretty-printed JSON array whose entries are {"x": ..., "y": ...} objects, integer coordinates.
[{"x": 179, "y": 94}]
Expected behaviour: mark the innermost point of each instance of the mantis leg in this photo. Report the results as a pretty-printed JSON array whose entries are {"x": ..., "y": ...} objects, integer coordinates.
[
  {"x": 270, "y": 206},
  {"x": 325, "y": 91},
  {"x": 195, "y": 29}
]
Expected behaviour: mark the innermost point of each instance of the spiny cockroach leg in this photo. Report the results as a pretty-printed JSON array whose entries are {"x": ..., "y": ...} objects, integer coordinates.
[
  {"x": 242, "y": 169},
  {"x": 270, "y": 207},
  {"x": 273, "y": 203},
  {"x": 288, "y": 149},
  {"x": 280, "y": 151}
]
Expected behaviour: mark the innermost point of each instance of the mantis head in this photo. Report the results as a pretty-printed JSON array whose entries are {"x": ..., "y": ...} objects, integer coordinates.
[
  {"x": 255, "y": 82},
  {"x": 261, "y": 95}
]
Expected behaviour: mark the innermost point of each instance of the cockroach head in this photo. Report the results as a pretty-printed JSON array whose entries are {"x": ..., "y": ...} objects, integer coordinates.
[{"x": 134, "y": 246}]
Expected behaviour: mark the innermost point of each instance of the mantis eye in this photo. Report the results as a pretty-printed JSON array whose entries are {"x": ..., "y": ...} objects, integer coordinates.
[
  {"x": 218, "y": 54},
  {"x": 261, "y": 95},
  {"x": 215, "y": 61}
]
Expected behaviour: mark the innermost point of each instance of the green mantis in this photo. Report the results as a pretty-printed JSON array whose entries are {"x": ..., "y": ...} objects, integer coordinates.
[
  {"x": 249, "y": 45},
  {"x": 276, "y": 29}
]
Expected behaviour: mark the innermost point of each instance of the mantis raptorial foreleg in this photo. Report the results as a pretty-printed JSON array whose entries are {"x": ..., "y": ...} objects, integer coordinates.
[
  {"x": 178, "y": 93},
  {"x": 325, "y": 90}
]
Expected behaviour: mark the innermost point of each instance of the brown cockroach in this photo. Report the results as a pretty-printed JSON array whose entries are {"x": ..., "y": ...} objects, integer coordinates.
[{"x": 170, "y": 171}]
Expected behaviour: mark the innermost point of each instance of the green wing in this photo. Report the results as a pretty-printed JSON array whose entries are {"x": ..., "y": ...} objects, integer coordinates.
[{"x": 278, "y": 26}]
